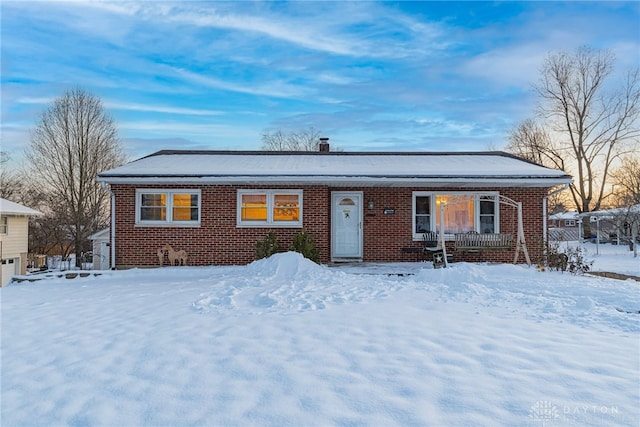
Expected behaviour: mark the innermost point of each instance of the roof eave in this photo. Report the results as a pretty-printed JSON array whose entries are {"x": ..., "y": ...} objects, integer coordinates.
[
  {"x": 20, "y": 214},
  {"x": 365, "y": 181}
]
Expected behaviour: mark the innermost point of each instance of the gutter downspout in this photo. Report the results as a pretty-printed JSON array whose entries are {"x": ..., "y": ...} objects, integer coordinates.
[
  {"x": 545, "y": 237},
  {"x": 112, "y": 230}
]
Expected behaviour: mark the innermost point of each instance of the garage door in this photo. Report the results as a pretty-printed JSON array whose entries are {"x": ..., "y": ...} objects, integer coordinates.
[{"x": 9, "y": 269}]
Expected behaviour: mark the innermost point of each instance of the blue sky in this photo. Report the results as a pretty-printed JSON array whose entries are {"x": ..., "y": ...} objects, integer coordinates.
[{"x": 372, "y": 76}]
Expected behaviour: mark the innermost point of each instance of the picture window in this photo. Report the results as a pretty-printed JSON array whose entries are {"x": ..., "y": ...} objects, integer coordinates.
[
  {"x": 269, "y": 208},
  {"x": 164, "y": 207}
]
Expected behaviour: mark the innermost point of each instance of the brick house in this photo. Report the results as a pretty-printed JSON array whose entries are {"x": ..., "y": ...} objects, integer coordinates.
[
  {"x": 357, "y": 206},
  {"x": 564, "y": 220},
  {"x": 563, "y": 226}
]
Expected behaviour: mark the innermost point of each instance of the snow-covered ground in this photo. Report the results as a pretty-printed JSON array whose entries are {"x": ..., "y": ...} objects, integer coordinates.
[
  {"x": 608, "y": 257},
  {"x": 284, "y": 341}
]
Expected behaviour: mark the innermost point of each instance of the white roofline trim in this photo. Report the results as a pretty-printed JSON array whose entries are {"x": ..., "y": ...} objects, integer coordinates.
[{"x": 344, "y": 181}]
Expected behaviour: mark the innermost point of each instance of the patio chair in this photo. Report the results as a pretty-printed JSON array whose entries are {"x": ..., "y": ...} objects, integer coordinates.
[{"x": 432, "y": 249}]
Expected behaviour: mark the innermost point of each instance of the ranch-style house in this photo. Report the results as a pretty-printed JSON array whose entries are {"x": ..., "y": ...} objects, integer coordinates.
[{"x": 214, "y": 206}]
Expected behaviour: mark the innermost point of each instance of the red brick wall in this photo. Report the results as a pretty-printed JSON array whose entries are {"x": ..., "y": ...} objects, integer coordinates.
[
  {"x": 385, "y": 235},
  {"x": 219, "y": 242}
]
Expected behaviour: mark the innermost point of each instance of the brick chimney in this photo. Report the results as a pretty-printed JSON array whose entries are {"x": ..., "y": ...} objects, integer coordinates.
[{"x": 323, "y": 147}]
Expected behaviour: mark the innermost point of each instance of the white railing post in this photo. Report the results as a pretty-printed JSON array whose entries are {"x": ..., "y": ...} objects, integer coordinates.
[
  {"x": 444, "y": 246},
  {"x": 520, "y": 243}
]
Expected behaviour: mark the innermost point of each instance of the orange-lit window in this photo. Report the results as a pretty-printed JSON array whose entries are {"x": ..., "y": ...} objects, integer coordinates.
[
  {"x": 461, "y": 213},
  {"x": 185, "y": 207},
  {"x": 254, "y": 207},
  {"x": 164, "y": 207},
  {"x": 269, "y": 208},
  {"x": 286, "y": 207},
  {"x": 458, "y": 214}
]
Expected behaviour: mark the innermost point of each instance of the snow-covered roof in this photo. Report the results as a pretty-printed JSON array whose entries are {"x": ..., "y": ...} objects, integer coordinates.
[
  {"x": 476, "y": 169},
  {"x": 8, "y": 207},
  {"x": 101, "y": 234},
  {"x": 565, "y": 215},
  {"x": 633, "y": 210}
]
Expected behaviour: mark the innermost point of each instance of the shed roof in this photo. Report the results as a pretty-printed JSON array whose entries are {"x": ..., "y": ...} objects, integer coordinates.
[
  {"x": 100, "y": 234},
  {"x": 8, "y": 207},
  {"x": 460, "y": 169},
  {"x": 609, "y": 213}
]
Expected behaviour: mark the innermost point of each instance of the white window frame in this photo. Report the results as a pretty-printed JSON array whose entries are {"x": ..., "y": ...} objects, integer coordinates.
[
  {"x": 477, "y": 195},
  {"x": 569, "y": 222},
  {"x": 168, "y": 222},
  {"x": 4, "y": 225},
  {"x": 270, "y": 222},
  {"x": 417, "y": 194}
]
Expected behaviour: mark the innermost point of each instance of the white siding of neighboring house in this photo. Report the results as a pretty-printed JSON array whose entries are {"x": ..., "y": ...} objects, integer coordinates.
[{"x": 14, "y": 246}]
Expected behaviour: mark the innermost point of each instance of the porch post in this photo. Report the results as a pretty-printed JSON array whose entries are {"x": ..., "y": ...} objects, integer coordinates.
[
  {"x": 444, "y": 246},
  {"x": 520, "y": 242}
]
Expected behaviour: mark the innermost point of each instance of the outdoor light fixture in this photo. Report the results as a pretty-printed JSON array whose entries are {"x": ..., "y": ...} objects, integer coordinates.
[{"x": 371, "y": 204}]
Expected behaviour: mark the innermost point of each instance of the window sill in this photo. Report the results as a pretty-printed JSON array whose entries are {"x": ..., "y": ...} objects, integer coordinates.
[
  {"x": 167, "y": 225},
  {"x": 296, "y": 225}
]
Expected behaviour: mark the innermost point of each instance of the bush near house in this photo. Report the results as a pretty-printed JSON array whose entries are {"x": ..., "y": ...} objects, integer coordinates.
[
  {"x": 306, "y": 245},
  {"x": 302, "y": 243},
  {"x": 571, "y": 259},
  {"x": 267, "y": 247}
]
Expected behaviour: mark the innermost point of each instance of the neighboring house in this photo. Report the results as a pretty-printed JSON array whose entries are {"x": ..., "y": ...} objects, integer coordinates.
[
  {"x": 614, "y": 225},
  {"x": 564, "y": 220},
  {"x": 563, "y": 226},
  {"x": 216, "y": 205},
  {"x": 14, "y": 238},
  {"x": 101, "y": 249}
]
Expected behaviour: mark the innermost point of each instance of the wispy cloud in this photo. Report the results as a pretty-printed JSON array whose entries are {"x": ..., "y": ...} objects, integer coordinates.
[
  {"x": 194, "y": 134},
  {"x": 308, "y": 25},
  {"x": 149, "y": 108},
  {"x": 35, "y": 100},
  {"x": 174, "y": 126},
  {"x": 367, "y": 74},
  {"x": 510, "y": 66},
  {"x": 293, "y": 32},
  {"x": 276, "y": 89}
]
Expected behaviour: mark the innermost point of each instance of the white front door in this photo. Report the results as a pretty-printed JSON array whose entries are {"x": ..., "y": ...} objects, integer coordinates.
[{"x": 346, "y": 225}]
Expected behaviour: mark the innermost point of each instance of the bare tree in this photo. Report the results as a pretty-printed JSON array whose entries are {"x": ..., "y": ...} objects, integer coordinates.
[
  {"x": 591, "y": 126},
  {"x": 10, "y": 183},
  {"x": 627, "y": 225},
  {"x": 587, "y": 127},
  {"x": 626, "y": 181},
  {"x": 303, "y": 140},
  {"x": 73, "y": 141},
  {"x": 530, "y": 141}
]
